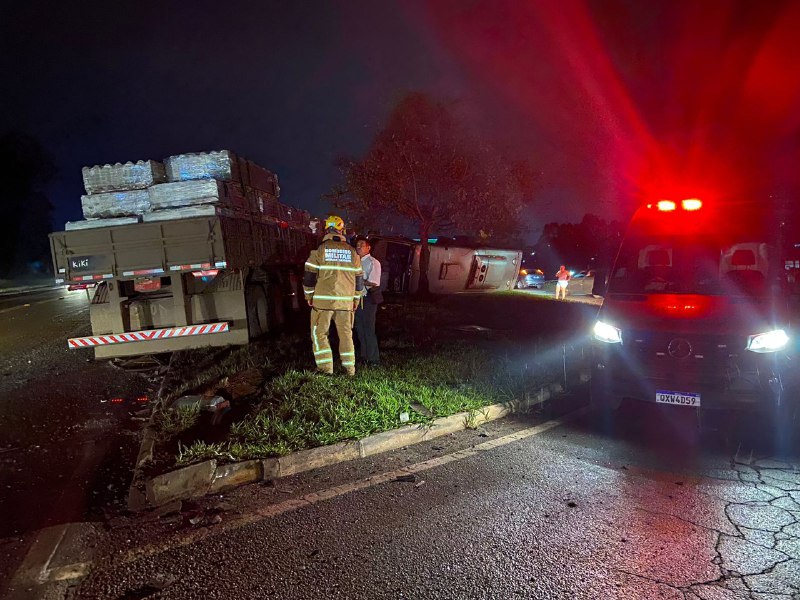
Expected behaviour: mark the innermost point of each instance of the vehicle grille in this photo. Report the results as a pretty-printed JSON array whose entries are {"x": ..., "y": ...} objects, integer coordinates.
[{"x": 708, "y": 358}]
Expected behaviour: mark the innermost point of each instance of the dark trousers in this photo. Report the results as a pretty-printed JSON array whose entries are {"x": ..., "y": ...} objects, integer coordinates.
[{"x": 365, "y": 328}]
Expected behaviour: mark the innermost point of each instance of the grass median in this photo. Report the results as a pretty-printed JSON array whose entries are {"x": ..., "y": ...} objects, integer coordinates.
[
  {"x": 302, "y": 409},
  {"x": 427, "y": 372}
]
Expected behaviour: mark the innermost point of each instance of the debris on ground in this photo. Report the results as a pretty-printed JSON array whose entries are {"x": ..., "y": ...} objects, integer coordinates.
[
  {"x": 411, "y": 478},
  {"x": 421, "y": 410},
  {"x": 243, "y": 383},
  {"x": 213, "y": 404},
  {"x": 478, "y": 330},
  {"x": 206, "y": 403},
  {"x": 152, "y": 587},
  {"x": 176, "y": 506}
]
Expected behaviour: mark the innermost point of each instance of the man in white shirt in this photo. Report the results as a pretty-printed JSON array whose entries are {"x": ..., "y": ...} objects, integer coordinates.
[{"x": 365, "y": 314}]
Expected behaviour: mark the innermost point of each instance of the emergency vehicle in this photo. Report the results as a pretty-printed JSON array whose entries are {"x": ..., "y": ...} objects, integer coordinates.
[{"x": 696, "y": 311}]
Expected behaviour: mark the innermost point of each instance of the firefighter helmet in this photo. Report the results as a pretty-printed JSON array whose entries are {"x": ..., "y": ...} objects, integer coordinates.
[{"x": 334, "y": 223}]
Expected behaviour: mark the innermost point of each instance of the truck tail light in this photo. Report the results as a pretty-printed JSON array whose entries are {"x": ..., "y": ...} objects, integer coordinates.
[{"x": 147, "y": 284}]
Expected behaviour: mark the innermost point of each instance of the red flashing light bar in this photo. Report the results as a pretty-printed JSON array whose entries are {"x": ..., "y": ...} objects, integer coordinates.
[
  {"x": 690, "y": 204},
  {"x": 666, "y": 205}
]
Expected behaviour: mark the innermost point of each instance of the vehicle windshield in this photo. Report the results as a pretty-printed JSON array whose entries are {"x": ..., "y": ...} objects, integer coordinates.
[{"x": 680, "y": 266}]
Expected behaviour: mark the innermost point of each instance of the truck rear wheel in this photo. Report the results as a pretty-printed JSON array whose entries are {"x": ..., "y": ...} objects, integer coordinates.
[
  {"x": 277, "y": 309},
  {"x": 257, "y": 311}
]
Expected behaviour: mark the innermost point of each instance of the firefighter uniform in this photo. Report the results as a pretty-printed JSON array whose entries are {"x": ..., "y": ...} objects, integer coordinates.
[{"x": 333, "y": 283}]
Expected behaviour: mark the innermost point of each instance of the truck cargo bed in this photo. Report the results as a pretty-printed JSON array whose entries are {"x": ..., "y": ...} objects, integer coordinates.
[{"x": 185, "y": 244}]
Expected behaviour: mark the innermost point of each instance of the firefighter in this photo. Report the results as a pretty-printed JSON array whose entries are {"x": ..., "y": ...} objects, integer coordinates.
[{"x": 333, "y": 285}]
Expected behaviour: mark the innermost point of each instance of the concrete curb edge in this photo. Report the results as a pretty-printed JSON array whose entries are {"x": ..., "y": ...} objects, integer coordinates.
[
  {"x": 137, "y": 499},
  {"x": 199, "y": 479}
]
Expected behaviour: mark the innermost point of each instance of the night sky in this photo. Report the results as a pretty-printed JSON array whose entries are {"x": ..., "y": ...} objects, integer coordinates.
[{"x": 610, "y": 100}]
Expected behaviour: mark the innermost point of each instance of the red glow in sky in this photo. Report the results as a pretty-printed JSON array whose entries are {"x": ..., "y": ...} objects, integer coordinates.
[{"x": 684, "y": 99}]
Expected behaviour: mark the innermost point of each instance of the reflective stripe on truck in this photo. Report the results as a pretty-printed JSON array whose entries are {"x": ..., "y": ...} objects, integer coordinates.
[{"x": 147, "y": 335}]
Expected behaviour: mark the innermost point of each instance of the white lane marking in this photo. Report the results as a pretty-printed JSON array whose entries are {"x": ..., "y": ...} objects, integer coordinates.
[
  {"x": 35, "y": 568},
  {"x": 274, "y": 510}
]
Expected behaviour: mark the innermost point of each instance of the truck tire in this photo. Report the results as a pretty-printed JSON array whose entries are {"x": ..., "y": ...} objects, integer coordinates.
[
  {"x": 257, "y": 311},
  {"x": 277, "y": 311},
  {"x": 295, "y": 286}
]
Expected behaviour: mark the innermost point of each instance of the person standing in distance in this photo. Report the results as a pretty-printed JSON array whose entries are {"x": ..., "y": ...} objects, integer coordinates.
[
  {"x": 365, "y": 314},
  {"x": 333, "y": 284},
  {"x": 562, "y": 282}
]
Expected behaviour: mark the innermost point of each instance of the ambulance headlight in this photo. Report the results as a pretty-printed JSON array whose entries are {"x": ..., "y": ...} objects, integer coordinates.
[
  {"x": 607, "y": 333},
  {"x": 771, "y": 341}
]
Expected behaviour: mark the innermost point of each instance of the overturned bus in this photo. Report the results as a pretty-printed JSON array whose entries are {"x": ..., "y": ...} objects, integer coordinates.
[{"x": 454, "y": 266}]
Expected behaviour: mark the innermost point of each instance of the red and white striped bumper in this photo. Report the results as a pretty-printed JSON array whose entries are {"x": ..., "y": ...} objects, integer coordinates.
[{"x": 147, "y": 335}]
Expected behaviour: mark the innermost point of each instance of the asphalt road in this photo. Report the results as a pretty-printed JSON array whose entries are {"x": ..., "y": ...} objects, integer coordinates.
[
  {"x": 650, "y": 509},
  {"x": 645, "y": 507},
  {"x": 64, "y": 448}
]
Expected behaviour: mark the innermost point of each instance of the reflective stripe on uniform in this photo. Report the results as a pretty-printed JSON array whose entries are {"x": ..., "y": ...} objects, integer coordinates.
[
  {"x": 322, "y": 351},
  {"x": 319, "y": 297},
  {"x": 308, "y": 292},
  {"x": 338, "y": 268},
  {"x": 324, "y": 361},
  {"x": 348, "y": 364},
  {"x": 316, "y": 343},
  {"x": 347, "y": 353},
  {"x": 312, "y": 265}
]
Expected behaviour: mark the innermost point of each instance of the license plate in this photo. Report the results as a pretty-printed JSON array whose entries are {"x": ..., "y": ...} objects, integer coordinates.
[{"x": 680, "y": 398}]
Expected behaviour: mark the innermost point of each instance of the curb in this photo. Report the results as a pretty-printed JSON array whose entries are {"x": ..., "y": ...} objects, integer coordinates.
[
  {"x": 137, "y": 498},
  {"x": 206, "y": 477}
]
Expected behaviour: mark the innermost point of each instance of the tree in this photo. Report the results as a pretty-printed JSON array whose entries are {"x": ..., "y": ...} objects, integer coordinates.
[
  {"x": 424, "y": 167},
  {"x": 591, "y": 243},
  {"x": 25, "y": 211}
]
